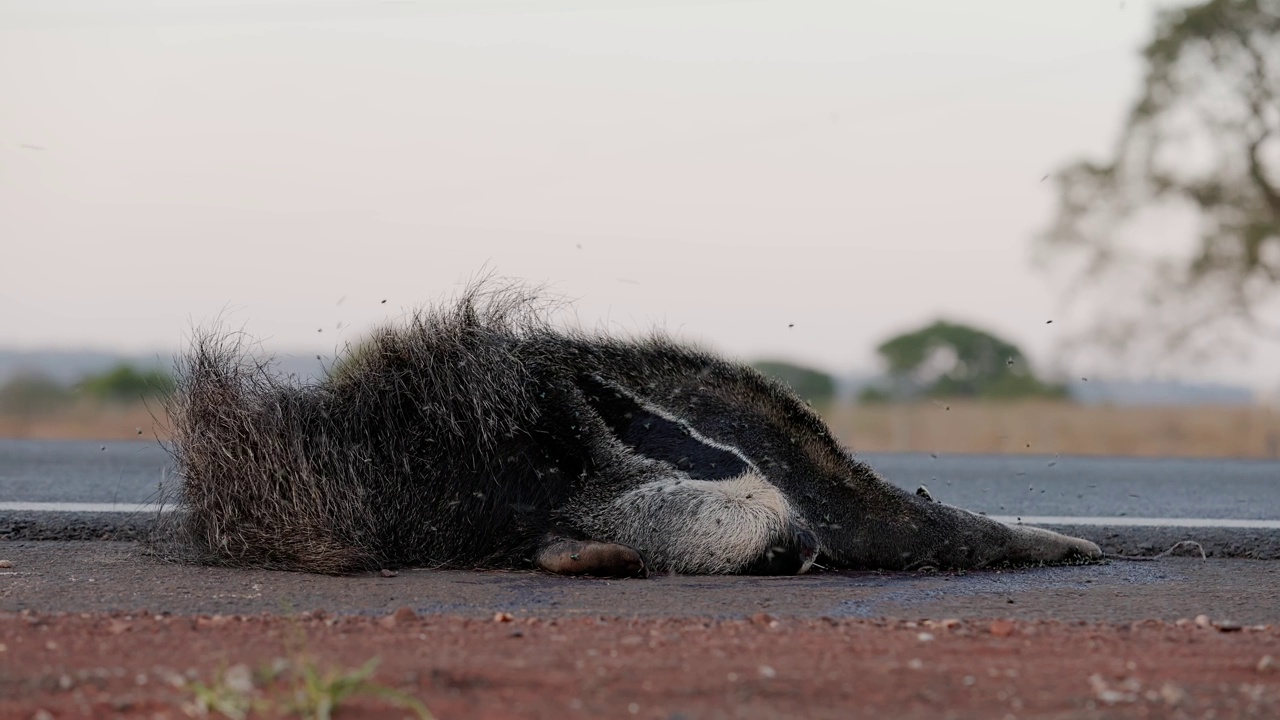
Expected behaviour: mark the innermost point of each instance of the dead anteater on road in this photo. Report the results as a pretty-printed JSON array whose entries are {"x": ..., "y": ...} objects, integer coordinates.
[{"x": 477, "y": 435}]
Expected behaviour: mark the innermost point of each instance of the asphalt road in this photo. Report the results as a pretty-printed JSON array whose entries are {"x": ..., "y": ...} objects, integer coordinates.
[
  {"x": 1089, "y": 497},
  {"x": 75, "y": 577},
  {"x": 55, "y": 567},
  {"x": 129, "y": 472}
]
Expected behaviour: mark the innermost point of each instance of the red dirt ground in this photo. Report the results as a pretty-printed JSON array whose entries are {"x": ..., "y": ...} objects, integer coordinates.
[{"x": 144, "y": 665}]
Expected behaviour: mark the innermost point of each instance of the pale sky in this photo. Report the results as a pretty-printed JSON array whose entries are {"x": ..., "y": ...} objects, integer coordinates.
[{"x": 721, "y": 169}]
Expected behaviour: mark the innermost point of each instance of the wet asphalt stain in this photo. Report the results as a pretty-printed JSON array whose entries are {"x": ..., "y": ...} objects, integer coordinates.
[
  {"x": 117, "y": 576},
  {"x": 902, "y": 591}
]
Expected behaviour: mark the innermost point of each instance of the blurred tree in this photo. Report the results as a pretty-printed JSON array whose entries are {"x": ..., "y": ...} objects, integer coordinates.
[
  {"x": 812, "y": 385},
  {"x": 30, "y": 394},
  {"x": 1200, "y": 147},
  {"x": 125, "y": 383},
  {"x": 951, "y": 360}
]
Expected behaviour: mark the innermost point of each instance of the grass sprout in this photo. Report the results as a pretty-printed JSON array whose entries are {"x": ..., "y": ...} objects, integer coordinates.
[{"x": 298, "y": 689}]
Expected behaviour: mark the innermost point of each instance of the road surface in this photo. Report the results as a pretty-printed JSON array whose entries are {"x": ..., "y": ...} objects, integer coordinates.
[
  {"x": 92, "y": 628},
  {"x": 1130, "y": 506}
]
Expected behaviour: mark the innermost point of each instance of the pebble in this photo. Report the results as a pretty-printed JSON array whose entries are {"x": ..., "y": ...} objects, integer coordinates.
[
  {"x": 1228, "y": 626},
  {"x": 1267, "y": 665},
  {"x": 1172, "y": 694},
  {"x": 1202, "y": 620},
  {"x": 388, "y": 573},
  {"x": 502, "y": 617},
  {"x": 213, "y": 621},
  {"x": 6, "y": 563},
  {"x": 1001, "y": 628},
  {"x": 400, "y": 616},
  {"x": 767, "y": 672},
  {"x": 239, "y": 679}
]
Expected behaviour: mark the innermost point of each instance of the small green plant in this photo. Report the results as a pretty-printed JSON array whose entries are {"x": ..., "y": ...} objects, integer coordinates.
[
  {"x": 230, "y": 695},
  {"x": 320, "y": 693},
  {"x": 293, "y": 689}
]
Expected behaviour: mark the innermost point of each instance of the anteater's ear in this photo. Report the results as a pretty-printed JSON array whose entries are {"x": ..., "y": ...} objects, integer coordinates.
[{"x": 660, "y": 434}]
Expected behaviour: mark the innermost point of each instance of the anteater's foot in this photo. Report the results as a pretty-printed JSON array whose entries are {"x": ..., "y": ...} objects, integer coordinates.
[
  {"x": 792, "y": 554},
  {"x": 565, "y": 556}
]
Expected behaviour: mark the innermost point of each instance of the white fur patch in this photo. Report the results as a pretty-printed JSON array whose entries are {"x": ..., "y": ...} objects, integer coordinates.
[{"x": 702, "y": 526}]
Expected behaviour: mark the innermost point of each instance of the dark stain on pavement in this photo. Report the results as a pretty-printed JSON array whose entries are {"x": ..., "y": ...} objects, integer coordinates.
[{"x": 118, "y": 576}]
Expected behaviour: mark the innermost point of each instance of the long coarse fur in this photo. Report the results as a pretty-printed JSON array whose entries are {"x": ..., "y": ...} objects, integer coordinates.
[{"x": 469, "y": 434}]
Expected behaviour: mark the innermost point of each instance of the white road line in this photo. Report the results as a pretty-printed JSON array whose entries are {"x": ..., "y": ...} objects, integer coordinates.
[
  {"x": 1140, "y": 522},
  {"x": 152, "y": 508},
  {"x": 55, "y": 507}
]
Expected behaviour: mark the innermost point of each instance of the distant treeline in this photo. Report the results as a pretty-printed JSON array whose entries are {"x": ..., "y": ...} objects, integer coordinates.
[
  {"x": 31, "y": 392},
  {"x": 939, "y": 360},
  {"x": 812, "y": 385}
]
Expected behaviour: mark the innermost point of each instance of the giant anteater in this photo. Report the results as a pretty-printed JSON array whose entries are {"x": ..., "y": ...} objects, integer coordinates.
[{"x": 477, "y": 435}]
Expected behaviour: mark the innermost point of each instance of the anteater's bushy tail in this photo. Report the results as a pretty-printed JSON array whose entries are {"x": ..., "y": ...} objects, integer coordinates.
[
  {"x": 370, "y": 466},
  {"x": 250, "y": 494}
]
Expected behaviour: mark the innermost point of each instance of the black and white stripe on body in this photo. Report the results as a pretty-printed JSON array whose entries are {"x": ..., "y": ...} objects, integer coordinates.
[{"x": 712, "y": 513}]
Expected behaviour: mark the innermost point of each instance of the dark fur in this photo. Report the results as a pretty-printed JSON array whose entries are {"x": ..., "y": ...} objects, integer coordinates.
[{"x": 476, "y": 435}]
